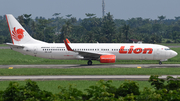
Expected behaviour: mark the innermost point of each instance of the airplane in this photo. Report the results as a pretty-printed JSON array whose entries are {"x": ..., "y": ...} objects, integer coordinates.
[{"x": 104, "y": 52}]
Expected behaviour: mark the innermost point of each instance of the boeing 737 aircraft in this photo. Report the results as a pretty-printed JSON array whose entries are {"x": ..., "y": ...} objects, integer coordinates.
[{"x": 103, "y": 52}]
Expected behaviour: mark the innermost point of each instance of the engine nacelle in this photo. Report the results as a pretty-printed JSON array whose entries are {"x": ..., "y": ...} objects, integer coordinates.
[{"x": 107, "y": 59}]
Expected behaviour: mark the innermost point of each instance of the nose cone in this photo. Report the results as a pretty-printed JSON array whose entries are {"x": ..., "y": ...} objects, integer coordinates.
[
  {"x": 170, "y": 54},
  {"x": 173, "y": 53}
]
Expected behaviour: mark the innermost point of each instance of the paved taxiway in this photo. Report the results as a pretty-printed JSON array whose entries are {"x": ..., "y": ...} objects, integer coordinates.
[
  {"x": 83, "y": 77},
  {"x": 4, "y": 47},
  {"x": 94, "y": 66}
]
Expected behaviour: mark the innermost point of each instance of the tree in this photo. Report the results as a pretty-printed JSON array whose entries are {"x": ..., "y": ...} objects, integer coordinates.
[
  {"x": 108, "y": 28},
  {"x": 125, "y": 30},
  {"x": 161, "y": 17},
  {"x": 176, "y": 36},
  {"x": 147, "y": 39},
  {"x": 42, "y": 31},
  {"x": 156, "y": 38},
  {"x": 69, "y": 15},
  {"x": 33, "y": 27},
  {"x": 73, "y": 20},
  {"x": 49, "y": 34},
  {"x": 156, "y": 28},
  {"x": 24, "y": 20},
  {"x": 56, "y": 14},
  {"x": 1, "y": 39},
  {"x": 89, "y": 15},
  {"x": 21, "y": 20},
  {"x": 27, "y": 18},
  {"x": 65, "y": 31},
  {"x": 177, "y": 18},
  {"x": 91, "y": 28}
]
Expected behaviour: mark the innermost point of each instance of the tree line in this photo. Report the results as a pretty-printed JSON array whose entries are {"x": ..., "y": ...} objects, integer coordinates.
[
  {"x": 160, "y": 90},
  {"x": 93, "y": 29}
]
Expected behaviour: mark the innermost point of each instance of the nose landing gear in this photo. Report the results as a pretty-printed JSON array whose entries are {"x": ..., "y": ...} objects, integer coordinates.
[{"x": 160, "y": 62}]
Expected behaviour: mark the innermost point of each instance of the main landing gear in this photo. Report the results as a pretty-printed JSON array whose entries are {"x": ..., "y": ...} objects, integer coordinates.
[
  {"x": 89, "y": 62},
  {"x": 160, "y": 62}
]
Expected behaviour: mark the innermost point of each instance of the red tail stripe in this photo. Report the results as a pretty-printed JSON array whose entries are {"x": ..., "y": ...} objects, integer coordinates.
[{"x": 9, "y": 29}]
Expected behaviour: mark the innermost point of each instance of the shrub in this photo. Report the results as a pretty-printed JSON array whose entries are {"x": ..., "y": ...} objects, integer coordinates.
[
  {"x": 168, "y": 41},
  {"x": 172, "y": 83},
  {"x": 156, "y": 82},
  {"x": 69, "y": 93},
  {"x": 30, "y": 91},
  {"x": 128, "y": 87},
  {"x": 102, "y": 91}
]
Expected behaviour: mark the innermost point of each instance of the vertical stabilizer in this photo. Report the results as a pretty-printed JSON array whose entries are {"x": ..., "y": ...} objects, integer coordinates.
[{"x": 18, "y": 34}]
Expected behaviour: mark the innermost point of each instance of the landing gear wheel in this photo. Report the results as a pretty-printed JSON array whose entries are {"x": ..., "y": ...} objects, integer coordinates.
[
  {"x": 160, "y": 62},
  {"x": 89, "y": 62}
]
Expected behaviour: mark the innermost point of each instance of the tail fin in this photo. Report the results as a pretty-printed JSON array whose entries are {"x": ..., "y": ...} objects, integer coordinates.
[{"x": 18, "y": 34}]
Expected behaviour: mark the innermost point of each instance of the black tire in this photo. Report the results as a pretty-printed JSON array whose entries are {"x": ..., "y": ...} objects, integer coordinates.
[
  {"x": 89, "y": 62},
  {"x": 160, "y": 62}
]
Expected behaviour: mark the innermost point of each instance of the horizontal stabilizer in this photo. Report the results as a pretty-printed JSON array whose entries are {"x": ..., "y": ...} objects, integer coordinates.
[{"x": 14, "y": 46}]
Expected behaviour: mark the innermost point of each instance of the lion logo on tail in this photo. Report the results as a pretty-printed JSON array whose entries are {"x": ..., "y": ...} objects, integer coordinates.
[{"x": 17, "y": 34}]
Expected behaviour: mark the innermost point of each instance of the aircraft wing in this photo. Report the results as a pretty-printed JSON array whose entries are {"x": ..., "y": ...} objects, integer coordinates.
[
  {"x": 86, "y": 54},
  {"x": 14, "y": 46}
]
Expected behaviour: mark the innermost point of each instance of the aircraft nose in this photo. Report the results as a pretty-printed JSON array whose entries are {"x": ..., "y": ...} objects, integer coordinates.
[
  {"x": 170, "y": 54},
  {"x": 173, "y": 53}
]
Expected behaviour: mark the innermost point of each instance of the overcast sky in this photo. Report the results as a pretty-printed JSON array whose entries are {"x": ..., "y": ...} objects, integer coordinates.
[{"x": 120, "y": 9}]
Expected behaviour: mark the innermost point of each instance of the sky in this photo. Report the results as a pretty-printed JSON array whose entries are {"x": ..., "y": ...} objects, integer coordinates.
[{"x": 120, "y": 9}]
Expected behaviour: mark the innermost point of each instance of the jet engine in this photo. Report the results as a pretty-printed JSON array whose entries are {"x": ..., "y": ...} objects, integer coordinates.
[{"x": 107, "y": 59}]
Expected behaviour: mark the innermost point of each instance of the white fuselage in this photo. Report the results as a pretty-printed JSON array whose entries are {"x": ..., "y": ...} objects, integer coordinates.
[{"x": 59, "y": 51}]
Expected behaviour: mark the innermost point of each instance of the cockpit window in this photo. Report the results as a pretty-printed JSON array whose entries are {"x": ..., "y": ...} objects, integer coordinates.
[{"x": 167, "y": 49}]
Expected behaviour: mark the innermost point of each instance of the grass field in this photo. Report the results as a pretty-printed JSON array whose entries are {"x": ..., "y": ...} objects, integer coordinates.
[
  {"x": 3, "y": 45},
  {"x": 90, "y": 71},
  {"x": 8, "y": 57},
  {"x": 52, "y": 86},
  {"x": 170, "y": 44}
]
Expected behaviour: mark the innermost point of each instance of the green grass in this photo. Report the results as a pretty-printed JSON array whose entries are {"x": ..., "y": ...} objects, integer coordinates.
[
  {"x": 52, "y": 86},
  {"x": 3, "y": 45},
  {"x": 90, "y": 71},
  {"x": 170, "y": 44},
  {"x": 8, "y": 57}
]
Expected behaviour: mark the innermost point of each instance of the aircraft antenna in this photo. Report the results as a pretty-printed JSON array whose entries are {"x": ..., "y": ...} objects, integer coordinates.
[{"x": 103, "y": 8}]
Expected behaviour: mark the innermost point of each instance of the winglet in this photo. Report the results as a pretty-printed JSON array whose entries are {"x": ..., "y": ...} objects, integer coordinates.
[
  {"x": 67, "y": 46},
  {"x": 67, "y": 41}
]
